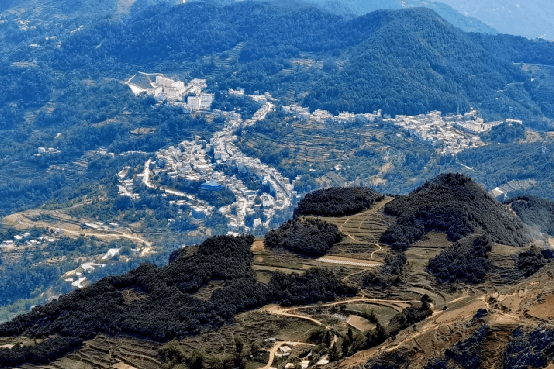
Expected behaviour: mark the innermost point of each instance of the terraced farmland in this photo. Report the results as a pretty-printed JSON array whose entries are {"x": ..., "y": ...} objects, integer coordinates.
[
  {"x": 362, "y": 232},
  {"x": 107, "y": 353}
]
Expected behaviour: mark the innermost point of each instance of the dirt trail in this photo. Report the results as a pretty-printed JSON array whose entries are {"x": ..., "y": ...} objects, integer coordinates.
[
  {"x": 379, "y": 248},
  {"x": 272, "y": 353},
  {"x": 276, "y": 348},
  {"x": 352, "y": 274},
  {"x": 289, "y": 312},
  {"x": 277, "y": 310}
]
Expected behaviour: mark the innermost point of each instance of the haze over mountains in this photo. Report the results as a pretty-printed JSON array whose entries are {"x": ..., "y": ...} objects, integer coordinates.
[{"x": 529, "y": 18}]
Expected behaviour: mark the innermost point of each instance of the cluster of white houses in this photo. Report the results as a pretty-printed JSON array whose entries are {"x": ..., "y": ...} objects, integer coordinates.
[{"x": 191, "y": 96}]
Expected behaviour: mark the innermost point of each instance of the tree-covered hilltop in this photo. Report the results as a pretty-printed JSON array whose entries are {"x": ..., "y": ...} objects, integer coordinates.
[
  {"x": 455, "y": 204},
  {"x": 337, "y": 201},
  {"x": 159, "y": 303},
  {"x": 466, "y": 261},
  {"x": 312, "y": 237},
  {"x": 535, "y": 212}
]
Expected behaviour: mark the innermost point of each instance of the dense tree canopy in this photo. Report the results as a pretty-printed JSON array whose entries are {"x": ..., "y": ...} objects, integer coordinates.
[
  {"x": 337, "y": 201},
  {"x": 304, "y": 236},
  {"x": 163, "y": 306},
  {"x": 454, "y": 204},
  {"x": 466, "y": 261}
]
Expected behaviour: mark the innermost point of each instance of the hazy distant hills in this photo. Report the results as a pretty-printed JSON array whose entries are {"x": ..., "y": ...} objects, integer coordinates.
[
  {"x": 360, "y": 7},
  {"x": 529, "y": 18}
]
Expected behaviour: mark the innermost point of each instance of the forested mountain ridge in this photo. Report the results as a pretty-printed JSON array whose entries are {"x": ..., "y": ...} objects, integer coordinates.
[
  {"x": 228, "y": 285},
  {"x": 454, "y": 204}
]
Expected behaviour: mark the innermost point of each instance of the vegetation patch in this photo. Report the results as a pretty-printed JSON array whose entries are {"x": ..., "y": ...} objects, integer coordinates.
[
  {"x": 337, "y": 201},
  {"x": 304, "y": 236},
  {"x": 531, "y": 261},
  {"x": 390, "y": 274},
  {"x": 530, "y": 349},
  {"x": 466, "y": 261},
  {"x": 454, "y": 204}
]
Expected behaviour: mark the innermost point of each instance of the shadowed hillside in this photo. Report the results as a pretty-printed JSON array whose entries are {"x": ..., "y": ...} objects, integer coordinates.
[{"x": 535, "y": 212}]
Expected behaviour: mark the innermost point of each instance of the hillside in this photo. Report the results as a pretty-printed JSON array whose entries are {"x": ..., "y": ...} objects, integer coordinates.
[
  {"x": 454, "y": 204},
  {"x": 429, "y": 50},
  {"x": 506, "y": 329},
  {"x": 101, "y": 172},
  {"x": 159, "y": 303},
  {"x": 237, "y": 292},
  {"x": 535, "y": 212}
]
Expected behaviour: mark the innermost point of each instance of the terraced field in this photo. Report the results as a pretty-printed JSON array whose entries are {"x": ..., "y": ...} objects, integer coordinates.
[
  {"x": 107, "y": 353},
  {"x": 362, "y": 232},
  {"x": 315, "y": 142}
]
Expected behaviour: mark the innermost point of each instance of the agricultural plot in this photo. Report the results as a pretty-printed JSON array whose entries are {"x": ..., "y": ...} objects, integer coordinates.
[{"x": 106, "y": 353}]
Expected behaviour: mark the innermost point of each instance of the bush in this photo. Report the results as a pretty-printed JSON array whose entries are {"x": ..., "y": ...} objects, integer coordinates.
[
  {"x": 466, "y": 261},
  {"x": 390, "y": 274},
  {"x": 531, "y": 261}
]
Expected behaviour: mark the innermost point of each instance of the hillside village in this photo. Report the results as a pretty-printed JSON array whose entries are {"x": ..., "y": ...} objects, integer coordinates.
[
  {"x": 198, "y": 160},
  {"x": 451, "y": 134}
]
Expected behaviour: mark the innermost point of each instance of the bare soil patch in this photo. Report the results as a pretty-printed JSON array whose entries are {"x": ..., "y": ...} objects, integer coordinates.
[
  {"x": 258, "y": 247},
  {"x": 544, "y": 311},
  {"x": 360, "y": 323}
]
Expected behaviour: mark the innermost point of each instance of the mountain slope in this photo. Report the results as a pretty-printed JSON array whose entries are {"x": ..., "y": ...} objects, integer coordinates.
[
  {"x": 178, "y": 313},
  {"x": 455, "y": 204},
  {"x": 68, "y": 118},
  {"x": 160, "y": 303},
  {"x": 412, "y": 63},
  {"x": 508, "y": 329}
]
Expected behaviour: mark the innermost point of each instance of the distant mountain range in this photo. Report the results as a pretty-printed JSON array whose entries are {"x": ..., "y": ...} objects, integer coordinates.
[
  {"x": 360, "y": 7},
  {"x": 528, "y": 18}
]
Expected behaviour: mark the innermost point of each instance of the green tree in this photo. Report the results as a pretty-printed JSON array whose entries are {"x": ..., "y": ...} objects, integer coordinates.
[
  {"x": 240, "y": 362},
  {"x": 334, "y": 353}
]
